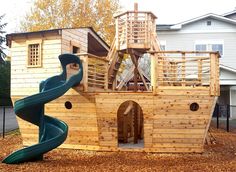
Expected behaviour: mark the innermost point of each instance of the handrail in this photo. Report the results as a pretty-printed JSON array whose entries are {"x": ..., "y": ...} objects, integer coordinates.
[
  {"x": 92, "y": 55},
  {"x": 186, "y": 52},
  {"x": 112, "y": 49},
  {"x": 182, "y": 68},
  {"x": 141, "y": 12}
]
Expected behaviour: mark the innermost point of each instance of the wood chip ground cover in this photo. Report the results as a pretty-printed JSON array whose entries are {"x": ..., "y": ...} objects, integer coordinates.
[{"x": 220, "y": 156}]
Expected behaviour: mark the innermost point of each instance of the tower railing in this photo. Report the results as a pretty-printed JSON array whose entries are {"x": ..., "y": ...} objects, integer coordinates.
[{"x": 134, "y": 30}]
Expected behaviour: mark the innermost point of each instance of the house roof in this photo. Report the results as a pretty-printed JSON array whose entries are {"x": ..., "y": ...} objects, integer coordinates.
[
  {"x": 164, "y": 26},
  {"x": 10, "y": 36},
  {"x": 230, "y": 69},
  {"x": 229, "y": 13},
  {"x": 178, "y": 26}
]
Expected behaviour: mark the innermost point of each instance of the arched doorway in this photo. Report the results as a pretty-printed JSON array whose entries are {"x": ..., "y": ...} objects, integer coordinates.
[{"x": 130, "y": 125}]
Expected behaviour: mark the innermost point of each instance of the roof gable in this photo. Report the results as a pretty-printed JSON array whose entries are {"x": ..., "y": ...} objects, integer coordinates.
[
  {"x": 231, "y": 13},
  {"x": 219, "y": 18},
  {"x": 210, "y": 15}
]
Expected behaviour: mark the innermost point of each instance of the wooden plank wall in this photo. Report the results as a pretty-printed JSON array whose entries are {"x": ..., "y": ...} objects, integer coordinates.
[
  {"x": 81, "y": 119},
  {"x": 178, "y": 129},
  {"x": 78, "y": 36},
  {"x": 24, "y": 80},
  {"x": 169, "y": 124},
  {"x": 107, "y": 105}
]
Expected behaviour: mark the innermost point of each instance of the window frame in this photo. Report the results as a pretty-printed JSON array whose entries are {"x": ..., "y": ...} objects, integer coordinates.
[
  {"x": 209, "y": 45},
  {"x": 75, "y": 44},
  {"x": 31, "y": 42}
]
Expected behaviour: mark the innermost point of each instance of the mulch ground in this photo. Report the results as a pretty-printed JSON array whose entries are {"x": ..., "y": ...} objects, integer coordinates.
[{"x": 220, "y": 156}]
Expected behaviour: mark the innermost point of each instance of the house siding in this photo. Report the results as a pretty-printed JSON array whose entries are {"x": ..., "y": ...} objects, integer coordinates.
[
  {"x": 80, "y": 36},
  {"x": 201, "y": 26},
  {"x": 25, "y": 80},
  {"x": 185, "y": 40}
]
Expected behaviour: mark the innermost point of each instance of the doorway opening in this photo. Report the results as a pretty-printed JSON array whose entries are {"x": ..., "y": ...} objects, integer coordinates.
[{"x": 130, "y": 125}]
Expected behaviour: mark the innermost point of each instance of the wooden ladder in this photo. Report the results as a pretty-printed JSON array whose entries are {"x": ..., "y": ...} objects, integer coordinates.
[{"x": 113, "y": 68}]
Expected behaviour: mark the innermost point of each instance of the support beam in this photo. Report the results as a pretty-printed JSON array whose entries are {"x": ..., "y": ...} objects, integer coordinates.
[
  {"x": 143, "y": 79},
  {"x": 126, "y": 78},
  {"x": 135, "y": 62},
  {"x": 154, "y": 73},
  {"x": 183, "y": 71},
  {"x": 135, "y": 79},
  {"x": 137, "y": 70}
]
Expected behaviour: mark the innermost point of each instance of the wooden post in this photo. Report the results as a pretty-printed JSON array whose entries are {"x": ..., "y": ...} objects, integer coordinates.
[
  {"x": 200, "y": 71},
  {"x": 136, "y": 7},
  {"x": 114, "y": 84},
  {"x": 135, "y": 113},
  {"x": 183, "y": 69},
  {"x": 135, "y": 31},
  {"x": 139, "y": 121},
  {"x": 127, "y": 30},
  {"x": 85, "y": 73},
  {"x": 135, "y": 79},
  {"x": 143, "y": 79},
  {"x": 153, "y": 74},
  {"x": 173, "y": 66},
  {"x": 117, "y": 40},
  {"x": 217, "y": 77},
  {"x": 125, "y": 138},
  {"x": 134, "y": 59},
  {"x": 146, "y": 31},
  {"x": 213, "y": 74},
  {"x": 128, "y": 111},
  {"x": 106, "y": 77}
]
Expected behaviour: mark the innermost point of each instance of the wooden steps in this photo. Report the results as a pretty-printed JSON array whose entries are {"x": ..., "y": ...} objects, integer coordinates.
[{"x": 114, "y": 67}]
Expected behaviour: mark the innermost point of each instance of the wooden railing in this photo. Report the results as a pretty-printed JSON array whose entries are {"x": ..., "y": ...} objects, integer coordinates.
[
  {"x": 95, "y": 70},
  {"x": 134, "y": 29},
  {"x": 186, "y": 69}
]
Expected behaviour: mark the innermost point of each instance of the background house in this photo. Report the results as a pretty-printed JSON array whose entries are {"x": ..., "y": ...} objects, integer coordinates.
[{"x": 210, "y": 32}]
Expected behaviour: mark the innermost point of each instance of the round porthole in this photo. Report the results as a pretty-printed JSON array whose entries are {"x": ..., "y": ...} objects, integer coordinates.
[
  {"x": 194, "y": 106},
  {"x": 68, "y": 105}
]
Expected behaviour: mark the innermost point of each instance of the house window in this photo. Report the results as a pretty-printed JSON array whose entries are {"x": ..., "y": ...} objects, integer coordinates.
[
  {"x": 209, "y": 46},
  {"x": 34, "y": 54},
  {"x": 75, "y": 50},
  {"x": 200, "y": 47},
  {"x": 208, "y": 23},
  {"x": 217, "y": 47},
  {"x": 74, "y": 47}
]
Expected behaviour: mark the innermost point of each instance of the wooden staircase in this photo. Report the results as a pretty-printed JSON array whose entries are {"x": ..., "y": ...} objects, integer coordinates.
[{"x": 113, "y": 69}]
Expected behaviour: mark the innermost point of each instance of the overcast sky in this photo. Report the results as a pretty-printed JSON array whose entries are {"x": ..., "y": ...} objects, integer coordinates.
[{"x": 167, "y": 11}]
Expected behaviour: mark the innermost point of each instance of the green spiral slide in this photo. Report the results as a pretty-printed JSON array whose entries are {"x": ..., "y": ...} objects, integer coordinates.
[{"x": 52, "y": 132}]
